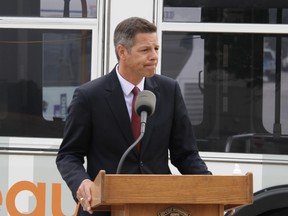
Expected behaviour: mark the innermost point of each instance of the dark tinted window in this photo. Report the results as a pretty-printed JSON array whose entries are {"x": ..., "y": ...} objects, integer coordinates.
[
  {"x": 39, "y": 71},
  {"x": 234, "y": 85},
  {"x": 48, "y": 8},
  {"x": 223, "y": 11}
]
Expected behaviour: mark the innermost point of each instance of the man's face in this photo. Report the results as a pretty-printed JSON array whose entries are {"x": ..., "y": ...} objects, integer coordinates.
[{"x": 141, "y": 60}]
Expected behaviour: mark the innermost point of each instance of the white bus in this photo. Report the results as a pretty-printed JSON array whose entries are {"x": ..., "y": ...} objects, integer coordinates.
[{"x": 229, "y": 57}]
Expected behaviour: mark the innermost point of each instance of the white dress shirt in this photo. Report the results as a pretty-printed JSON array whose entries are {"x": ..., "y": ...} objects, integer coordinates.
[{"x": 127, "y": 88}]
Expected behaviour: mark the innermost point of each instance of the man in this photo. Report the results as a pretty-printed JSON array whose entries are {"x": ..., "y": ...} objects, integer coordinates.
[{"x": 98, "y": 125}]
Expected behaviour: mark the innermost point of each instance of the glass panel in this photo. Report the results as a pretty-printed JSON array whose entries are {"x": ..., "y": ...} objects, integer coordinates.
[
  {"x": 228, "y": 82},
  {"x": 232, "y": 11},
  {"x": 275, "y": 88},
  {"x": 186, "y": 49},
  {"x": 65, "y": 65},
  {"x": 49, "y": 8},
  {"x": 39, "y": 71}
]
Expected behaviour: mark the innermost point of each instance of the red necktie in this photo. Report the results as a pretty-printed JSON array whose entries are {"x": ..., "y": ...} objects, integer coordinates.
[{"x": 135, "y": 118}]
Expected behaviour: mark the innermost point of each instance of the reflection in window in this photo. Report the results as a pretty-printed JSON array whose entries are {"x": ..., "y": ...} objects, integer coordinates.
[
  {"x": 68, "y": 8},
  {"x": 232, "y": 11},
  {"x": 183, "y": 56},
  {"x": 39, "y": 70},
  {"x": 230, "y": 88},
  {"x": 275, "y": 88},
  {"x": 49, "y": 8},
  {"x": 64, "y": 68}
]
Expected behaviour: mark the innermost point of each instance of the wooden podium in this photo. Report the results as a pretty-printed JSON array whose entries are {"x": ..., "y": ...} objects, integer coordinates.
[{"x": 170, "y": 195}]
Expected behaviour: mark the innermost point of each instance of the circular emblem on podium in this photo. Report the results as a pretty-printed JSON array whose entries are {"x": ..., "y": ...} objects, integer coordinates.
[{"x": 173, "y": 211}]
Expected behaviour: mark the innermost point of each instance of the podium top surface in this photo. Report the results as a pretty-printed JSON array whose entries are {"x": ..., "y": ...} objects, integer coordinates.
[{"x": 115, "y": 189}]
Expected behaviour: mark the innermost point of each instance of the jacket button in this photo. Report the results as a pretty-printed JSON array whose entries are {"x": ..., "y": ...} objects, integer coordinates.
[{"x": 141, "y": 163}]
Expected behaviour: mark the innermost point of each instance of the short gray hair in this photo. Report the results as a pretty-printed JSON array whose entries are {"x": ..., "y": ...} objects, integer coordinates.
[{"x": 126, "y": 31}]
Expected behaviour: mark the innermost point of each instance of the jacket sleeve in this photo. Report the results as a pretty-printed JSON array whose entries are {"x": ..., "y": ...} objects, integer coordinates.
[
  {"x": 183, "y": 147},
  {"x": 73, "y": 149}
]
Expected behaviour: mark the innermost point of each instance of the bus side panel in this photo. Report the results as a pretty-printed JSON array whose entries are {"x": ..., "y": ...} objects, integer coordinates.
[{"x": 31, "y": 183}]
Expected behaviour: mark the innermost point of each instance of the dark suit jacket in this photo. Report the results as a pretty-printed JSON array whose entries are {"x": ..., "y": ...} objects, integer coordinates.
[{"x": 98, "y": 126}]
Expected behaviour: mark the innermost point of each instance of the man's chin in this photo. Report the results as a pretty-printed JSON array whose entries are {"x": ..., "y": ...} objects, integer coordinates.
[{"x": 150, "y": 74}]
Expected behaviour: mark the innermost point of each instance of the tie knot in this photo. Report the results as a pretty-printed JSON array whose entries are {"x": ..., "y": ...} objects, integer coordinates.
[{"x": 135, "y": 91}]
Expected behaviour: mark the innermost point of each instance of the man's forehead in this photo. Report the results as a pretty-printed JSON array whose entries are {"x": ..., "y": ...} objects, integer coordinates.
[{"x": 146, "y": 38}]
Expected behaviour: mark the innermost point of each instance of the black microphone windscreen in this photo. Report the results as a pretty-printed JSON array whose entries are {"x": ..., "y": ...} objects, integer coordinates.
[{"x": 145, "y": 101}]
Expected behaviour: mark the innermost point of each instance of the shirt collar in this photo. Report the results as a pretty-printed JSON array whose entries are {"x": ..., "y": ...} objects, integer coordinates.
[{"x": 127, "y": 87}]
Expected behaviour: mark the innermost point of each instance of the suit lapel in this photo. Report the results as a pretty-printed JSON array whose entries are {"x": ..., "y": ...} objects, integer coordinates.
[
  {"x": 118, "y": 107},
  {"x": 150, "y": 85}
]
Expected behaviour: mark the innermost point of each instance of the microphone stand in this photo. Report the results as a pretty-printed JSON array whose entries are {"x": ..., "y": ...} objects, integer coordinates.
[{"x": 142, "y": 131}]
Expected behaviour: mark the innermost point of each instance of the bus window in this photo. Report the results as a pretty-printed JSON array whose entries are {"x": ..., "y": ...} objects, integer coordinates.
[
  {"x": 180, "y": 51},
  {"x": 232, "y": 11},
  {"x": 234, "y": 94},
  {"x": 241, "y": 82},
  {"x": 275, "y": 87},
  {"x": 49, "y": 8},
  {"x": 40, "y": 69},
  {"x": 64, "y": 68}
]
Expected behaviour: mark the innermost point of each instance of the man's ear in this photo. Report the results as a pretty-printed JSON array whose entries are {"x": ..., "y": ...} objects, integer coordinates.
[{"x": 122, "y": 51}]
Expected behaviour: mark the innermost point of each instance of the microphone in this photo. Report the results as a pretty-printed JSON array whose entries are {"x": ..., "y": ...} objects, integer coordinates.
[{"x": 144, "y": 107}]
